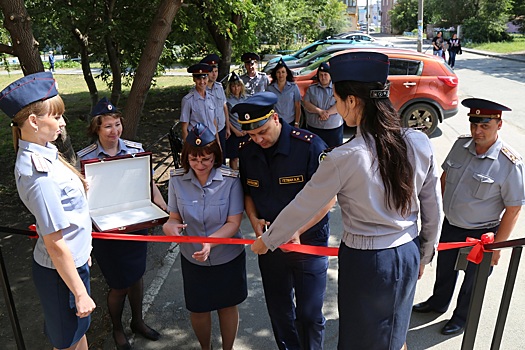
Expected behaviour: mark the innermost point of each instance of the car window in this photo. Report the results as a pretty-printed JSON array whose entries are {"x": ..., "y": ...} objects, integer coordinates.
[
  {"x": 404, "y": 67},
  {"x": 364, "y": 38}
]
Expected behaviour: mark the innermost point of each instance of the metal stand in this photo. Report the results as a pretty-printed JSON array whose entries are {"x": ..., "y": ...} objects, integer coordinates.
[{"x": 9, "y": 301}]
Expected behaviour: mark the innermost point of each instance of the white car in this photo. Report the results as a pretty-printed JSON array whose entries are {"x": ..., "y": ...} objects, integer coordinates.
[{"x": 363, "y": 37}]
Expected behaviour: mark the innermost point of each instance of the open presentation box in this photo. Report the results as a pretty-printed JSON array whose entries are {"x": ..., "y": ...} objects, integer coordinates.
[{"x": 120, "y": 194}]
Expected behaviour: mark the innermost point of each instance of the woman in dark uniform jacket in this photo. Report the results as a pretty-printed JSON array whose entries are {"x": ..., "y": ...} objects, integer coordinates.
[
  {"x": 385, "y": 177},
  {"x": 122, "y": 262}
]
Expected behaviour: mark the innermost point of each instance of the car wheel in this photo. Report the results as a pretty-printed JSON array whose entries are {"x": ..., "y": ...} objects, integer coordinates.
[{"x": 422, "y": 117}]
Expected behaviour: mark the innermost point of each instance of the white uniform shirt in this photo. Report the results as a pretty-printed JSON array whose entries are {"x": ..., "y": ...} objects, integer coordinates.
[
  {"x": 322, "y": 97},
  {"x": 56, "y": 197},
  {"x": 349, "y": 172}
]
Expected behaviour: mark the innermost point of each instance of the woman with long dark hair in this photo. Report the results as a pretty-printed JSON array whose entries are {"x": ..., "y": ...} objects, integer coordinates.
[
  {"x": 384, "y": 178},
  {"x": 288, "y": 104}
]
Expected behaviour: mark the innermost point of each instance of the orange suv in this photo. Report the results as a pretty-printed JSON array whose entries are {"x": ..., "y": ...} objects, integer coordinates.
[{"x": 423, "y": 88}]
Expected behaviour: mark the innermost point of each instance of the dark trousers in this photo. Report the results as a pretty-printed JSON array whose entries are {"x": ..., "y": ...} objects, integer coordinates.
[
  {"x": 451, "y": 58},
  {"x": 446, "y": 275},
  {"x": 222, "y": 140},
  {"x": 375, "y": 294},
  {"x": 300, "y": 325},
  {"x": 332, "y": 137}
]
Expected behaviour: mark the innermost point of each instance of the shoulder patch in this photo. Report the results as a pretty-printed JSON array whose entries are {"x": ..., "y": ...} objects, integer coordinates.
[
  {"x": 132, "y": 144},
  {"x": 229, "y": 172},
  {"x": 87, "y": 150},
  {"x": 513, "y": 156},
  {"x": 177, "y": 172},
  {"x": 39, "y": 163},
  {"x": 303, "y": 135},
  {"x": 464, "y": 136}
]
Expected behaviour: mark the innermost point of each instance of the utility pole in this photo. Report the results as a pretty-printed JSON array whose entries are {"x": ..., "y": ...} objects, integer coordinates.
[
  {"x": 367, "y": 19},
  {"x": 420, "y": 26}
]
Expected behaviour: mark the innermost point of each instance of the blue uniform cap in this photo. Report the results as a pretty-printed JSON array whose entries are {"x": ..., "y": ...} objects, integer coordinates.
[
  {"x": 323, "y": 67},
  {"x": 482, "y": 111},
  {"x": 24, "y": 91},
  {"x": 234, "y": 77},
  {"x": 200, "y": 69},
  {"x": 104, "y": 106},
  {"x": 255, "y": 111},
  {"x": 250, "y": 57},
  {"x": 211, "y": 59},
  {"x": 199, "y": 136},
  {"x": 366, "y": 67}
]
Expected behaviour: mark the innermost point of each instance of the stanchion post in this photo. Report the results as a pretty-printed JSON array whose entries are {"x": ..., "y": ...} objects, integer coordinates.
[
  {"x": 506, "y": 297},
  {"x": 476, "y": 302},
  {"x": 10, "y": 303}
]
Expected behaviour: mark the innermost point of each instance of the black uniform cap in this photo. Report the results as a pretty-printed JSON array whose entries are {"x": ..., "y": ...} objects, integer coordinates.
[
  {"x": 482, "y": 111},
  {"x": 200, "y": 70},
  {"x": 250, "y": 57},
  {"x": 211, "y": 59}
]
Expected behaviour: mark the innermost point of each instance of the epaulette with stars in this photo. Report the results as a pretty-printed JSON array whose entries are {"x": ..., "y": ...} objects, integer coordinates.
[
  {"x": 132, "y": 144},
  {"x": 225, "y": 171},
  {"x": 513, "y": 156},
  {"x": 303, "y": 135},
  {"x": 244, "y": 143},
  {"x": 177, "y": 172}
]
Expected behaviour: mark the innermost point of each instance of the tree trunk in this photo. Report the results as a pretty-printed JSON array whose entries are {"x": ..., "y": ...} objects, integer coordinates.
[
  {"x": 114, "y": 62},
  {"x": 18, "y": 22},
  {"x": 159, "y": 30},
  {"x": 86, "y": 67}
]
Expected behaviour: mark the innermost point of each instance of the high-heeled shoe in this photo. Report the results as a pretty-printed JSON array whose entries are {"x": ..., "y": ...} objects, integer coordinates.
[
  {"x": 125, "y": 346},
  {"x": 148, "y": 333}
]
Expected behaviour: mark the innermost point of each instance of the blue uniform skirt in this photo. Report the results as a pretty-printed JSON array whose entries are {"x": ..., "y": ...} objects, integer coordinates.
[
  {"x": 376, "y": 292},
  {"x": 62, "y": 326},
  {"x": 209, "y": 288}
]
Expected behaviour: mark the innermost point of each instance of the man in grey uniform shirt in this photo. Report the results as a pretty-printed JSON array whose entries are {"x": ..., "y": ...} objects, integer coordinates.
[{"x": 483, "y": 191}]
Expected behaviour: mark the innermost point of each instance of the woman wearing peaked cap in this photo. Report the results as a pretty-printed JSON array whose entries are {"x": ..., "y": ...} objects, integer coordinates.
[
  {"x": 54, "y": 193},
  {"x": 205, "y": 199},
  {"x": 122, "y": 263},
  {"x": 384, "y": 178},
  {"x": 288, "y": 105}
]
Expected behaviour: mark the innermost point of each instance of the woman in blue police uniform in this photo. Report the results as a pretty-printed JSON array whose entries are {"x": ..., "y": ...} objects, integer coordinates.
[
  {"x": 288, "y": 105},
  {"x": 321, "y": 112},
  {"x": 383, "y": 178},
  {"x": 205, "y": 199},
  {"x": 275, "y": 165},
  {"x": 200, "y": 104},
  {"x": 122, "y": 262},
  {"x": 54, "y": 193}
]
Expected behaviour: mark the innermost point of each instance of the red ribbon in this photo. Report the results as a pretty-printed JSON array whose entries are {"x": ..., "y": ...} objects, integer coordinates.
[{"x": 475, "y": 255}]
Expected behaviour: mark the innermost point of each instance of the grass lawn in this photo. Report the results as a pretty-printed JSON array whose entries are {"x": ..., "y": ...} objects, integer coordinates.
[{"x": 516, "y": 45}]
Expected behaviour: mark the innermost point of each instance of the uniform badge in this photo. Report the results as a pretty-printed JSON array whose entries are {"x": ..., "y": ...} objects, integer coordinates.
[
  {"x": 322, "y": 156},
  {"x": 252, "y": 183},
  {"x": 198, "y": 142},
  {"x": 291, "y": 179}
]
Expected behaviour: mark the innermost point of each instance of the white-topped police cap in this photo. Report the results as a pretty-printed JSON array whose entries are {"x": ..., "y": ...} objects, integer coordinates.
[
  {"x": 256, "y": 110},
  {"x": 24, "y": 91},
  {"x": 104, "y": 106},
  {"x": 250, "y": 57},
  {"x": 199, "y": 135},
  {"x": 366, "y": 67},
  {"x": 482, "y": 111}
]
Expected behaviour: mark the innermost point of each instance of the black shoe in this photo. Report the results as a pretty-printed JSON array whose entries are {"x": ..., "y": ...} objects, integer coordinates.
[
  {"x": 451, "y": 328},
  {"x": 124, "y": 346},
  {"x": 146, "y": 331},
  {"x": 423, "y": 308}
]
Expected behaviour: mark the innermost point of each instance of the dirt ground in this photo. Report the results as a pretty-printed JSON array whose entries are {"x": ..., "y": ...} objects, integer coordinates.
[{"x": 159, "y": 115}]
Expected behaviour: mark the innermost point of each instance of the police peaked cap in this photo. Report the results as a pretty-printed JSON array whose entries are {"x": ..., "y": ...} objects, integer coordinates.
[
  {"x": 256, "y": 110},
  {"x": 211, "y": 59},
  {"x": 250, "y": 56},
  {"x": 26, "y": 90},
  {"x": 482, "y": 111},
  {"x": 199, "y": 135},
  {"x": 366, "y": 67},
  {"x": 200, "y": 69},
  {"x": 104, "y": 106}
]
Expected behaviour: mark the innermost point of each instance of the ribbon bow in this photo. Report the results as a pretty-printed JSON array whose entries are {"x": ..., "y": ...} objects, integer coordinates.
[{"x": 478, "y": 246}]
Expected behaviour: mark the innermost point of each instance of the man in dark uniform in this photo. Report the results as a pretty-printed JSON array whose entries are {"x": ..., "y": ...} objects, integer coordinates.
[
  {"x": 254, "y": 81},
  {"x": 483, "y": 191},
  {"x": 275, "y": 164}
]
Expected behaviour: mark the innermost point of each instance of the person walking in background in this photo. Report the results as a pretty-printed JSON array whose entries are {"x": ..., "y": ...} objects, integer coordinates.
[
  {"x": 55, "y": 193},
  {"x": 275, "y": 165},
  {"x": 51, "y": 59},
  {"x": 288, "y": 105},
  {"x": 122, "y": 263},
  {"x": 385, "y": 178},
  {"x": 254, "y": 81},
  {"x": 483, "y": 191},
  {"x": 437, "y": 44},
  {"x": 216, "y": 88},
  {"x": 454, "y": 48},
  {"x": 321, "y": 112},
  {"x": 235, "y": 93},
  {"x": 206, "y": 200}
]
